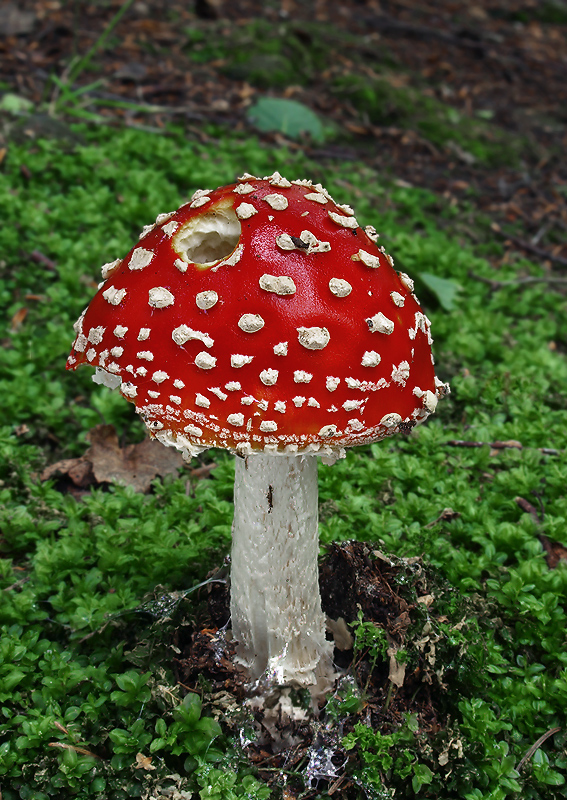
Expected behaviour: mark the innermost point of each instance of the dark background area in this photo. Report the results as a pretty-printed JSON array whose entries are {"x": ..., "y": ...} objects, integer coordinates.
[{"x": 466, "y": 99}]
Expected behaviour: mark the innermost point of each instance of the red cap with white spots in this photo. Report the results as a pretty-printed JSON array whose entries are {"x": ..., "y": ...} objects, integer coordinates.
[{"x": 261, "y": 317}]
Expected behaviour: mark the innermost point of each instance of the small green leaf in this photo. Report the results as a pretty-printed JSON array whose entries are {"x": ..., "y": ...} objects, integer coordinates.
[
  {"x": 445, "y": 290},
  {"x": 289, "y": 117},
  {"x": 14, "y": 104}
]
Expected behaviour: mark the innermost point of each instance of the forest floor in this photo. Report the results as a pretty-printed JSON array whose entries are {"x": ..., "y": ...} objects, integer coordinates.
[{"x": 403, "y": 85}]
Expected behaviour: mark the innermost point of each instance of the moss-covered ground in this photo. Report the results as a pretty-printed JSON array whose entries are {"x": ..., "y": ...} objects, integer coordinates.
[
  {"x": 443, "y": 125},
  {"x": 90, "y": 704}
]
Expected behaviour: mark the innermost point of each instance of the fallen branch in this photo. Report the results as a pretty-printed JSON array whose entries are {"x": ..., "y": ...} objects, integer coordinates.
[
  {"x": 528, "y": 246},
  {"x": 511, "y": 444}
]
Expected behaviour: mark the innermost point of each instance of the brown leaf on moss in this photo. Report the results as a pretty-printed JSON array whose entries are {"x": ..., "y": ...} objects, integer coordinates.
[
  {"x": 106, "y": 462},
  {"x": 134, "y": 465}
]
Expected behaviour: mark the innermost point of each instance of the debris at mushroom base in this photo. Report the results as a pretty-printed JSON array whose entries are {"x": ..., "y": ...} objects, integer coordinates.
[{"x": 284, "y": 731}]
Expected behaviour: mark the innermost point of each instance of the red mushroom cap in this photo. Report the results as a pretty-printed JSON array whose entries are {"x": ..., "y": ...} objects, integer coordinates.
[{"x": 261, "y": 317}]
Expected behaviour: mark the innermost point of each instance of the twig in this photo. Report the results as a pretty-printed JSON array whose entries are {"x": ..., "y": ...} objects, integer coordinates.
[
  {"x": 82, "y": 750},
  {"x": 46, "y": 262},
  {"x": 526, "y": 506},
  {"x": 548, "y": 451},
  {"x": 528, "y": 246},
  {"x": 337, "y": 784},
  {"x": 536, "y": 745}
]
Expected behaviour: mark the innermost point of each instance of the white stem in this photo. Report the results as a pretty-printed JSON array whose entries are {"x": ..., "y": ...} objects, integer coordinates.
[{"x": 275, "y": 601}]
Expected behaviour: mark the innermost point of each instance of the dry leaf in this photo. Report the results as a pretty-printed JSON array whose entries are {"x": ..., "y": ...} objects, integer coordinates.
[
  {"x": 106, "y": 462},
  {"x": 135, "y": 465},
  {"x": 397, "y": 670},
  {"x": 18, "y": 319},
  {"x": 143, "y": 762}
]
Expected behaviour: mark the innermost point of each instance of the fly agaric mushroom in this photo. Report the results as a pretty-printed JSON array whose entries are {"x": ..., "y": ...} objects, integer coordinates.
[{"x": 261, "y": 318}]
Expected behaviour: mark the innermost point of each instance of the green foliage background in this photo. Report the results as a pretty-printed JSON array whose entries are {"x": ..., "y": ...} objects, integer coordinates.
[{"x": 85, "y": 671}]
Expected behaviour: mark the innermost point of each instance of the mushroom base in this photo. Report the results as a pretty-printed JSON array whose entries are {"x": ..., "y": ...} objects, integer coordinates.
[{"x": 275, "y": 601}]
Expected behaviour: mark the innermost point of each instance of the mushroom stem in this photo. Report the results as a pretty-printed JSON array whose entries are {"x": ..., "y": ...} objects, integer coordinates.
[{"x": 275, "y": 601}]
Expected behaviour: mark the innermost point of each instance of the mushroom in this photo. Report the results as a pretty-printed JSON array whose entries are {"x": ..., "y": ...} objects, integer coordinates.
[{"x": 261, "y": 318}]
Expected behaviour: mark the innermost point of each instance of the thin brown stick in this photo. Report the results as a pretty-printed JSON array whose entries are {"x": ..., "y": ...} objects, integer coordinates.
[
  {"x": 81, "y": 750},
  {"x": 547, "y": 451},
  {"x": 528, "y": 246},
  {"x": 526, "y": 506},
  {"x": 536, "y": 745}
]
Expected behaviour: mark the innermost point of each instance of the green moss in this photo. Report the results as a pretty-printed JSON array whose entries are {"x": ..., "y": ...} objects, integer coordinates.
[{"x": 74, "y": 571}]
